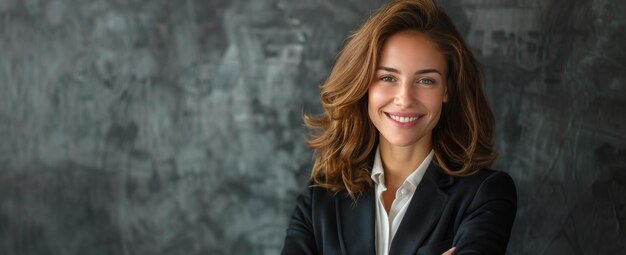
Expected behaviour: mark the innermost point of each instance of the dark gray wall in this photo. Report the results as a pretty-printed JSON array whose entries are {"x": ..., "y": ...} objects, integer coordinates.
[{"x": 174, "y": 127}]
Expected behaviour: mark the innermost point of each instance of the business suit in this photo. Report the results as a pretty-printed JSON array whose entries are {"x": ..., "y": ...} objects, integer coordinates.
[{"x": 473, "y": 213}]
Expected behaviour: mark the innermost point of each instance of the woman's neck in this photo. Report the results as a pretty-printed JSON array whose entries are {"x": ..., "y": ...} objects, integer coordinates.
[{"x": 399, "y": 162}]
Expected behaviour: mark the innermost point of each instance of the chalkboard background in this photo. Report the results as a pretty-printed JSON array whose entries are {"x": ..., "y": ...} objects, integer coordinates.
[{"x": 174, "y": 127}]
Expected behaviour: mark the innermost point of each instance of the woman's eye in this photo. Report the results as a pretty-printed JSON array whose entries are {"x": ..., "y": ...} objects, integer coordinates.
[
  {"x": 426, "y": 81},
  {"x": 386, "y": 78}
]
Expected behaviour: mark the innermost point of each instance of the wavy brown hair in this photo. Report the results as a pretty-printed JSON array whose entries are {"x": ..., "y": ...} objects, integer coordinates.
[{"x": 343, "y": 137}]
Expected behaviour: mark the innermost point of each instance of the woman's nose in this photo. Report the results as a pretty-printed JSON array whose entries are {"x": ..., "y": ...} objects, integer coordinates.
[{"x": 405, "y": 95}]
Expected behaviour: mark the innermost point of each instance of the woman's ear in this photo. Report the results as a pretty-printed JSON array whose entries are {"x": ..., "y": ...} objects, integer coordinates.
[{"x": 445, "y": 94}]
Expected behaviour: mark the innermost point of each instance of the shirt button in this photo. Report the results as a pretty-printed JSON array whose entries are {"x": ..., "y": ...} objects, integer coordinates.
[{"x": 403, "y": 191}]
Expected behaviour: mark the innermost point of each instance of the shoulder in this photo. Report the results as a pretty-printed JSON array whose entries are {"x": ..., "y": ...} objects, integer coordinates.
[
  {"x": 493, "y": 179},
  {"x": 485, "y": 185},
  {"x": 314, "y": 195},
  {"x": 322, "y": 199},
  {"x": 483, "y": 177}
]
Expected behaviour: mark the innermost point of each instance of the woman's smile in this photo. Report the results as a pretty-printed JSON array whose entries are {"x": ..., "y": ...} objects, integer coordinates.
[{"x": 404, "y": 120}]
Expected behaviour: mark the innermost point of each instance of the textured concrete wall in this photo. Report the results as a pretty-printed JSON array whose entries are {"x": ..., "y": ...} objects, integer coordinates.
[{"x": 174, "y": 127}]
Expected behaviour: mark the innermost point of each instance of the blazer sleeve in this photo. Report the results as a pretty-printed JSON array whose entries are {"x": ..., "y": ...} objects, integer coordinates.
[
  {"x": 300, "y": 238},
  {"x": 487, "y": 222}
]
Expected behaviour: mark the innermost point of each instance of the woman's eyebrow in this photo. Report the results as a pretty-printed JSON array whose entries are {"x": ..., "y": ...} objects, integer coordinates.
[{"x": 393, "y": 70}]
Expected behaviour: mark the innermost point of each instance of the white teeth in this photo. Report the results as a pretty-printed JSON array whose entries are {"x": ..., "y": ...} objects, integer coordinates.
[{"x": 403, "y": 119}]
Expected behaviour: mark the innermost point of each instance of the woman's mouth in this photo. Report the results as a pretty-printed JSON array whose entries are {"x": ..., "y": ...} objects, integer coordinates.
[{"x": 404, "y": 120}]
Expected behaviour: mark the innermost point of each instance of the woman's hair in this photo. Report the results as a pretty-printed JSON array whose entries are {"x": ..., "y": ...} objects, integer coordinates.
[{"x": 343, "y": 137}]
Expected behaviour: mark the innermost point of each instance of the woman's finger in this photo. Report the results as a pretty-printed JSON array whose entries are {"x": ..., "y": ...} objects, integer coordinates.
[{"x": 449, "y": 252}]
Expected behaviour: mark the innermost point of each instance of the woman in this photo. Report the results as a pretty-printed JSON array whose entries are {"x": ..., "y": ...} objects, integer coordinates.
[{"x": 403, "y": 146}]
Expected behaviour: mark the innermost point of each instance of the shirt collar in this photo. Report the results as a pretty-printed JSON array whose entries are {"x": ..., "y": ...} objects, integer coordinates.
[
  {"x": 416, "y": 176},
  {"x": 378, "y": 174}
]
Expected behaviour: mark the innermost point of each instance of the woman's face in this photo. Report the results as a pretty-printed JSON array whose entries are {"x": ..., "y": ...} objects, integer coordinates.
[{"x": 408, "y": 91}]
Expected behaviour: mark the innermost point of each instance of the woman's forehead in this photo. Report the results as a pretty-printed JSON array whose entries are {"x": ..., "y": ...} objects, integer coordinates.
[{"x": 411, "y": 49}]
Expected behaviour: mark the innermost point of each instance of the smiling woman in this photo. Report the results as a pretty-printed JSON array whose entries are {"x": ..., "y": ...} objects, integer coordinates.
[
  {"x": 408, "y": 89},
  {"x": 403, "y": 147}
]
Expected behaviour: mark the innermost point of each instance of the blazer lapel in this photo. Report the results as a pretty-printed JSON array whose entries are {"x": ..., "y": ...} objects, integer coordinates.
[
  {"x": 355, "y": 223},
  {"x": 423, "y": 212}
]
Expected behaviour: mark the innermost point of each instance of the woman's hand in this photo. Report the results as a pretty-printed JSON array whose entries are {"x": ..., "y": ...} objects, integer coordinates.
[{"x": 449, "y": 252}]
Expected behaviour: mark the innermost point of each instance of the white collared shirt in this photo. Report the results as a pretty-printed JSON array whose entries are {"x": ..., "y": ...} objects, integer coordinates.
[{"x": 387, "y": 225}]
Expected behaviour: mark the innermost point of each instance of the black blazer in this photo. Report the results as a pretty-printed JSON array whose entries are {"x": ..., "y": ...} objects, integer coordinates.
[{"x": 472, "y": 213}]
